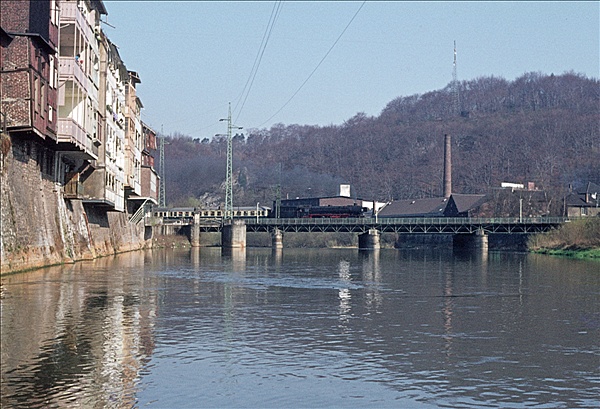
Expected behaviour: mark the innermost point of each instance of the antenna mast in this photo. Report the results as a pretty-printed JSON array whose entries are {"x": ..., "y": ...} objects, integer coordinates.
[
  {"x": 455, "y": 86},
  {"x": 161, "y": 171}
]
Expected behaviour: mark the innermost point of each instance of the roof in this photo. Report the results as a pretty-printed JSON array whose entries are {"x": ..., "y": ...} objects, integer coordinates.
[
  {"x": 465, "y": 203},
  {"x": 433, "y": 207},
  {"x": 587, "y": 198},
  {"x": 592, "y": 188}
]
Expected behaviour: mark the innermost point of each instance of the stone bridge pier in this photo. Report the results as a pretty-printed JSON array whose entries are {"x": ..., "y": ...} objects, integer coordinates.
[
  {"x": 369, "y": 240},
  {"x": 476, "y": 241},
  {"x": 233, "y": 235},
  {"x": 276, "y": 239}
]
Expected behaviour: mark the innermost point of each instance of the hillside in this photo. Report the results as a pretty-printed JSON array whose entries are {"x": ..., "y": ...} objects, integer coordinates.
[{"x": 537, "y": 128}]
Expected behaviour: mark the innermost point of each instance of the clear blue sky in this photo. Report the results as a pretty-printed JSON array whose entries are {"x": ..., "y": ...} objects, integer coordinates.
[{"x": 195, "y": 57}]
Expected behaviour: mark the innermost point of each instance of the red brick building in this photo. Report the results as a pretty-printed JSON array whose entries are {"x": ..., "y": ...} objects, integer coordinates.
[{"x": 29, "y": 77}]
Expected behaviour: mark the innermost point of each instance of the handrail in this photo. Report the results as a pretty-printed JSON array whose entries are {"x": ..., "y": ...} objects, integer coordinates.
[
  {"x": 139, "y": 214},
  {"x": 381, "y": 221}
]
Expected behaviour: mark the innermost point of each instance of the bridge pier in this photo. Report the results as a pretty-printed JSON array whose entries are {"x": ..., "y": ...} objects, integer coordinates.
[
  {"x": 369, "y": 240},
  {"x": 195, "y": 235},
  {"x": 276, "y": 239},
  {"x": 233, "y": 235},
  {"x": 477, "y": 241}
]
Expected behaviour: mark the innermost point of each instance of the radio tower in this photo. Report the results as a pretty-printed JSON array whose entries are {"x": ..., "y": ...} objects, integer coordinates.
[
  {"x": 455, "y": 86},
  {"x": 161, "y": 171},
  {"x": 229, "y": 179}
]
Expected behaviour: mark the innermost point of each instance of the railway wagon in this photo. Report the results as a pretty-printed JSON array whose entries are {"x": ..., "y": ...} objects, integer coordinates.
[{"x": 185, "y": 215}]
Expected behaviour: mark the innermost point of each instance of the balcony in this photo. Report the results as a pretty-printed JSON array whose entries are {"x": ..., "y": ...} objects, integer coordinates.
[
  {"x": 69, "y": 68},
  {"x": 73, "y": 138},
  {"x": 69, "y": 12}
]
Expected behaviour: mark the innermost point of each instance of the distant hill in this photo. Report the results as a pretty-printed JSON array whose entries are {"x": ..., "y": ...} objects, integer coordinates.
[{"x": 537, "y": 128}]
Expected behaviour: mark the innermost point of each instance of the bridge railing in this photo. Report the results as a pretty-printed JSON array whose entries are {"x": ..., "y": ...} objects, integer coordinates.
[{"x": 409, "y": 221}]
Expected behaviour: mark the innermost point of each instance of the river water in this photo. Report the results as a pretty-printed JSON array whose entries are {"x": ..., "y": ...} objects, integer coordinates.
[{"x": 303, "y": 328}]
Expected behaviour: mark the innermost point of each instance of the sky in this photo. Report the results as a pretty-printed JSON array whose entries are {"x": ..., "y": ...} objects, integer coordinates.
[{"x": 321, "y": 63}]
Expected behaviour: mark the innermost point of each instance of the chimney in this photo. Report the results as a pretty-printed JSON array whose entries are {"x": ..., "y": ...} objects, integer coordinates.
[
  {"x": 447, "y": 166},
  {"x": 345, "y": 190}
]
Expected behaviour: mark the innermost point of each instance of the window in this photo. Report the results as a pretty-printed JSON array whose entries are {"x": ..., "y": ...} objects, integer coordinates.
[
  {"x": 36, "y": 91},
  {"x": 53, "y": 72}
]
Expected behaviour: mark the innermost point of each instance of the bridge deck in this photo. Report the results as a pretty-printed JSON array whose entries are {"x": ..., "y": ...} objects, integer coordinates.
[{"x": 435, "y": 225}]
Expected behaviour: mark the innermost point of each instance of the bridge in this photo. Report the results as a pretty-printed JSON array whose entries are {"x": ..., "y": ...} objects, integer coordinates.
[
  {"x": 431, "y": 225},
  {"x": 368, "y": 229}
]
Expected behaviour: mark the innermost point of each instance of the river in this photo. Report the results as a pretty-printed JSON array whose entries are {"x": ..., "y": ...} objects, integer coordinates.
[{"x": 303, "y": 328}]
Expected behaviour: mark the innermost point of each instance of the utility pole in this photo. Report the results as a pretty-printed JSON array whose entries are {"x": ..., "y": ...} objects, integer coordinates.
[
  {"x": 162, "y": 200},
  {"x": 278, "y": 195},
  {"x": 228, "y": 215}
]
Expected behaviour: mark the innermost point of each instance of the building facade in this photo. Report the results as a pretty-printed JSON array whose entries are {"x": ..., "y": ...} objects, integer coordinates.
[
  {"x": 150, "y": 180},
  {"x": 29, "y": 81},
  {"x": 585, "y": 202},
  {"x": 69, "y": 103}
]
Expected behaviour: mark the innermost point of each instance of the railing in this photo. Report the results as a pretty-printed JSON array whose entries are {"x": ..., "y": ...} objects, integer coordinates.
[
  {"x": 71, "y": 132},
  {"x": 420, "y": 225},
  {"x": 382, "y": 221},
  {"x": 70, "y": 12},
  {"x": 70, "y": 68},
  {"x": 140, "y": 213}
]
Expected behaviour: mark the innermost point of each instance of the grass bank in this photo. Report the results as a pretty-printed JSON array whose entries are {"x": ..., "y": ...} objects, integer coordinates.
[{"x": 577, "y": 239}]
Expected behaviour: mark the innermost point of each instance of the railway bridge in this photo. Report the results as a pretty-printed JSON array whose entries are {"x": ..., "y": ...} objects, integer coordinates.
[{"x": 468, "y": 231}]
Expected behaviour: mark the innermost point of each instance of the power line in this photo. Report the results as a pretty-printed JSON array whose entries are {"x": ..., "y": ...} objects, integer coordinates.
[
  {"x": 261, "y": 51},
  {"x": 318, "y": 65}
]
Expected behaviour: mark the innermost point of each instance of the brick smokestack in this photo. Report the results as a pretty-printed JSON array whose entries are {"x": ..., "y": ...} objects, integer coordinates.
[{"x": 447, "y": 166}]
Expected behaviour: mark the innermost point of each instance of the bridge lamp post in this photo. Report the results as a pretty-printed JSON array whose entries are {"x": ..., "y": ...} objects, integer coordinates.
[
  {"x": 520, "y": 210},
  {"x": 257, "y": 203}
]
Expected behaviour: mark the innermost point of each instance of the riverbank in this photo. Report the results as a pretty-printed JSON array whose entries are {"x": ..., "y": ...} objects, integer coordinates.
[
  {"x": 41, "y": 227},
  {"x": 577, "y": 239}
]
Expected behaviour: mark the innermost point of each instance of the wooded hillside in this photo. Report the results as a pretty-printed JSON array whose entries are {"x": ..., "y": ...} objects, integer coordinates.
[{"x": 538, "y": 128}]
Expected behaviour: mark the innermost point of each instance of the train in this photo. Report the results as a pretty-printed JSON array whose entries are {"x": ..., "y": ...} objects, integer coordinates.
[
  {"x": 321, "y": 212},
  {"x": 185, "y": 215}
]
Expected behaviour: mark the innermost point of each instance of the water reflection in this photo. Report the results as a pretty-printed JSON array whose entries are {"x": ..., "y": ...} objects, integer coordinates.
[
  {"x": 371, "y": 277},
  {"x": 344, "y": 291},
  {"x": 74, "y": 339},
  {"x": 343, "y": 328}
]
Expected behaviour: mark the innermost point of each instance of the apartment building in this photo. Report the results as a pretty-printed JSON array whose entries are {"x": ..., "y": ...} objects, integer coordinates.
[
  {"x": 69, "y": 103},
  {"x": 29, "y": 82},
  {"x": 79, "y": 131},
  {"x": 150, "y": 179},
  {"x": 133, "y": 137}
]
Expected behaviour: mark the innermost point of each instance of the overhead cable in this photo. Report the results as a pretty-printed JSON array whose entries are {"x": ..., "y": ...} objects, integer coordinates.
[
  {"x": 318, "y": 65},
  {"x": 261, "y": 51}
]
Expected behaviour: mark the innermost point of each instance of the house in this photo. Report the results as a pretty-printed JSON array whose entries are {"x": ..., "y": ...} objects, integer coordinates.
[
  {"x": 457, "y": 205},
  {"x": 584, "y": 203},
  {"x": 150, "y": 179},
  {"x": 289, "y": 207}
]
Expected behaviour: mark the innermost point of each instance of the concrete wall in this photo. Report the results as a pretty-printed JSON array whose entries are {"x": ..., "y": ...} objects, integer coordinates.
[{"x": 38, "y": 227}]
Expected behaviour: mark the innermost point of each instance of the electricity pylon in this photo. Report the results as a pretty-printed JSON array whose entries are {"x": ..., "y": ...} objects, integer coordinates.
[{"x": 162, "y": 199}]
